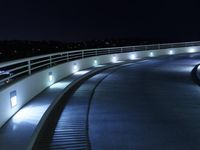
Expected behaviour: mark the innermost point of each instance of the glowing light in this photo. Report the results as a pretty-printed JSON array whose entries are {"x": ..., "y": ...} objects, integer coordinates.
[
  {"x": 13, "y": 101},
  {"x": 4, "y": 72},
  {"x": 81, "y": 72},
  {"x": 30, "y": 114},
  {"x": 50, "y": 77},
  {"x": 95, "y": 62},
  {"x": 75, "y": 68},
  {"x": 133, "y": 56},
  {"x": 59, "y": 85},
  {"x": 114, "y": 59},
  {"x": 13, "y": 98},
  {"x": 171, "y": 52},
  {"x": 191, "y": 50},
  {"x": 98, "y": 66},
  {"x": 151, "y": 54}
]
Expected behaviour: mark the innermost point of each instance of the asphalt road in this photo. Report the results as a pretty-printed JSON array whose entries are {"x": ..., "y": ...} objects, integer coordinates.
[{"x": 146, "y": 105}]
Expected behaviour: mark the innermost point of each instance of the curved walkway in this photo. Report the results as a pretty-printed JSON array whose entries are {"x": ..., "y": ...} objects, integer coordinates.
[
  {"x": 22, "y": 129},
  {"x": 70, "y": 129},
  {"x": 154, "y": 105},
  {"x": 150, "y": 104}
]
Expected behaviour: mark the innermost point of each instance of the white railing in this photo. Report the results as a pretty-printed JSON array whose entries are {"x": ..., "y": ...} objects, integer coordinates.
[{"x": 10, "y": 71}]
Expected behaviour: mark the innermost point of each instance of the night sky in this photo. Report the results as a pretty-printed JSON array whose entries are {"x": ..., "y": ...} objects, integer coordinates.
[{"x": 80, "y": 20}]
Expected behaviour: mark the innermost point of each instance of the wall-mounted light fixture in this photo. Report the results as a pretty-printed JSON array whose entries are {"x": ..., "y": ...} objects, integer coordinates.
[
  {"x": 114, "y": 59},
  {"x": 50, "y": 77},
  {"x": 171, "y": 52},
  {"x": 13, "y": 98},
  {"x": 191, "y": 50},
  {"x": 151, "y": 54},
  {"x": 132, "y": 56},
  {"x": 95, "y": 62},
  {"x": 75, "y": 68}
]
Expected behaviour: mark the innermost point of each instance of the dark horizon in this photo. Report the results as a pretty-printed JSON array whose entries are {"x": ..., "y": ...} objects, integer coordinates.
[{"x": 76, "y": 21}]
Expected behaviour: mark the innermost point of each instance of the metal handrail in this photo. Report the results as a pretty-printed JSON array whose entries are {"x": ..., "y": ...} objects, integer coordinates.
[{"x": 38, "y": 62}]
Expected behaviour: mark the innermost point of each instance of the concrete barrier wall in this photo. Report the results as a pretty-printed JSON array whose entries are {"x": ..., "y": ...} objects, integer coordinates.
[{"x": 32, "y": 85}]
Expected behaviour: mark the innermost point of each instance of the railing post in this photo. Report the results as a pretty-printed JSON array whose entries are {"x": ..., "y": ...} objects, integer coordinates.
[
  {"x": 158, "y": 46},
  {"x": 29, "y": 67},
  {"x": 121, "y": 50},
  {"x": 82, "y": 54},
  {"x": 108, "y": 51},
  {"x": 133, "y": 49},
  {"x": 67, "y": 56},
  {"x": 95, "y": 52},
  {"x": 50, "y": 61},
  {"x": 185, "y": 44}
]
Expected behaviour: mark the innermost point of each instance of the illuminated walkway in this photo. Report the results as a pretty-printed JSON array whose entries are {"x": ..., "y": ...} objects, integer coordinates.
[
  {"x": 152, "y": 105},
  {"x": 148, "y": 104},
  {"x": 19, "y": 130}
]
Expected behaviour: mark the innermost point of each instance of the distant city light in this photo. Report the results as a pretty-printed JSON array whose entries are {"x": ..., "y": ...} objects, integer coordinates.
[{"x": 4, "y": 72}]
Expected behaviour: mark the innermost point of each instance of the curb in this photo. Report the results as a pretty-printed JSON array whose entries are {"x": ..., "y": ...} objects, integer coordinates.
[{"x": 57, "y": 103}]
